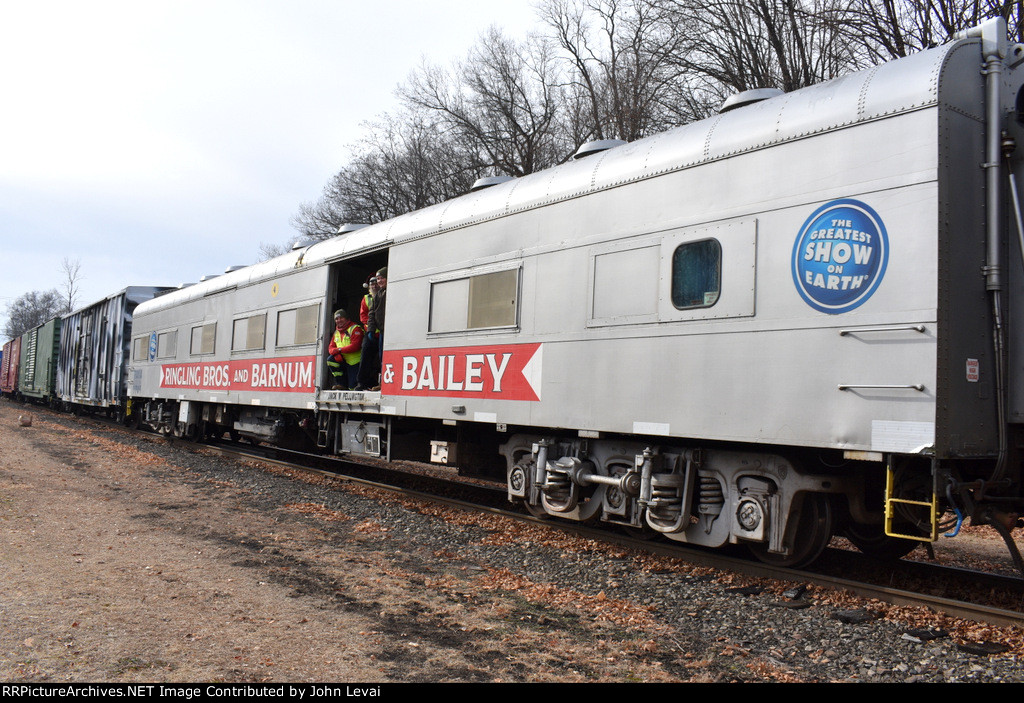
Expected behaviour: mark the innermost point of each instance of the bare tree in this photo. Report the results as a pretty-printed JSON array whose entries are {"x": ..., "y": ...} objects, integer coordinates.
[
  {"x": 610, "y": 68},
  {"x": 887, "y": 29},
  {"x": 405, "y": 162},
  {"x": 493, "y": 114},
  {"x": 70, "y": 282},
  {"x": 501, "y": 104},
  {"x": 320, "y": 219},
  {"x": 31, "y": 310},
  {"x": 743, "y": 44},
  {"x": 622, "y": 61},
  {"x": 269, "y": 250}
]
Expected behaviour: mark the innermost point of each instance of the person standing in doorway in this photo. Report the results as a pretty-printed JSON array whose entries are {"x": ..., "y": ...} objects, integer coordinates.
[{"x": 373, "y": 342}]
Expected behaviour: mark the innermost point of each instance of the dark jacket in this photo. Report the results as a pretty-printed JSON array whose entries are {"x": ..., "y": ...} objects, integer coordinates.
[{"x": 375, "y": 320}]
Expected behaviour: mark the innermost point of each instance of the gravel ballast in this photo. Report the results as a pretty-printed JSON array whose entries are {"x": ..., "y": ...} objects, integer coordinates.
[{"x": 126, "y": 558}]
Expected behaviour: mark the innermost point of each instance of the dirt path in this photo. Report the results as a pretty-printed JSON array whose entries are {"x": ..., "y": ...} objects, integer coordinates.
[
  {"x": 125, "y": 563},
  {"x": 107, "y": 572}
]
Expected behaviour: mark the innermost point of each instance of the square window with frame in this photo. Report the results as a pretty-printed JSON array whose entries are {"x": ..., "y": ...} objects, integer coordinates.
[
  {"x": 167, "y": 344},
  {"x": 249, "y": 333},
  {"x": 484, "y": 301},
  {"x": 298, "y": 325},
  {"x": 204, "y": 338}
]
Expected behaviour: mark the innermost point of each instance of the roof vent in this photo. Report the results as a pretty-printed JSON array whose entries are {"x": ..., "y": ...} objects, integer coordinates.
[
  {"x": 350, "y": 227},
  {"x": 596, "y": 146},
  {"x": 301, "y": 243},
  {"x": 229, "y": 269},
  {"x": 749, "y": 97},
  {"x": 185, "y": 285},
  {"x": 209, "y": 277},
  {"x": 489, "y": 181}
]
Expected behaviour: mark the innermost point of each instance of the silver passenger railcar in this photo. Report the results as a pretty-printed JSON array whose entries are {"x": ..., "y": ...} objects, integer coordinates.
[{"x": 794, "y": 318}]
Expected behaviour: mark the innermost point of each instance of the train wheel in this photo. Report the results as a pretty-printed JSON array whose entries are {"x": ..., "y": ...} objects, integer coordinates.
[
  {"x": 812, "y": 535},
  {"x": 536, "y": 511},
  {"x": 872, "y": 540}
]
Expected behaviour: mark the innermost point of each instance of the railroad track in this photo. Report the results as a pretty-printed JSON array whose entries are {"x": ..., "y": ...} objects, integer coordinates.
[{"x": 957, "y": 592}]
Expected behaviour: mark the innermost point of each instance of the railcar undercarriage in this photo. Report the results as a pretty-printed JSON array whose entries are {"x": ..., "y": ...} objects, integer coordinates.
[
  {"x": 199, "y": 421},
  {"x": 782, "y": 511},
  {"x": 708, "y": 497}
]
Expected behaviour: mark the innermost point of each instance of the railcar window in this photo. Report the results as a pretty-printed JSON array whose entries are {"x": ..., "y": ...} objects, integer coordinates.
[
  {"x": 249, "y": 333},
  {"x": 493, "y": 298},
  {"x": 697, "y": 274},
  {"x": 204, "y": 339},
  {"x": 167, "y": 344},
  {"x": 448, "y": 301},
  {"x": 475, "y": 302},
  {"x": 140, "y": 348},
  {"x": 297, "y": 326}
]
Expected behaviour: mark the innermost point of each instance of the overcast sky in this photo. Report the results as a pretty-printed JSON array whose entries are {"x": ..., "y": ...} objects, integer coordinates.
[{"x": 159, "y": 141}]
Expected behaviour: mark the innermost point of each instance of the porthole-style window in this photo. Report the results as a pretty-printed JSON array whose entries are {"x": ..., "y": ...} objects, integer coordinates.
[{"x": 697, "y": 274}]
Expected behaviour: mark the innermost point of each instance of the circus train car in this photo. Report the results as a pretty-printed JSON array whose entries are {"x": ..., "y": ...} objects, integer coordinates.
[{"x": 791, "y": 319}]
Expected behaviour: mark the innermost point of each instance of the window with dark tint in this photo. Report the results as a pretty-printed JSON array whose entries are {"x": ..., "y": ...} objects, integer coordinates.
[{"x": 697, "y": 274}]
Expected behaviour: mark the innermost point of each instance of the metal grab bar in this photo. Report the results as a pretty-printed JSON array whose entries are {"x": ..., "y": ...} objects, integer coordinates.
[
  {"x": 905, "y": 328},
  {"x": 908, "y": 386}
]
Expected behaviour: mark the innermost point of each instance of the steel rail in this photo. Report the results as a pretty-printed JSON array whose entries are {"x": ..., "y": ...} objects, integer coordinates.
[{"x": 694, "y": 555}]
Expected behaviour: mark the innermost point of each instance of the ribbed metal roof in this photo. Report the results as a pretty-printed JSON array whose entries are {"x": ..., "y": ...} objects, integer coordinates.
[{"x": 898, "y": 86}]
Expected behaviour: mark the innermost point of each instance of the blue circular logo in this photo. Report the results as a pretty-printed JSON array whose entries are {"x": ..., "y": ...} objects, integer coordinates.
[{"x": 840, "y": 256}]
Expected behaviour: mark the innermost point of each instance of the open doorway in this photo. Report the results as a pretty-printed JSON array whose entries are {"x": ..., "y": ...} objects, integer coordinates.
[{"x": 348, "y": 290}]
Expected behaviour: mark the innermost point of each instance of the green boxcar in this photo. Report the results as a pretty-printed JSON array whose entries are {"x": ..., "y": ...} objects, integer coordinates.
[{"x": 38, "y": 373}]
